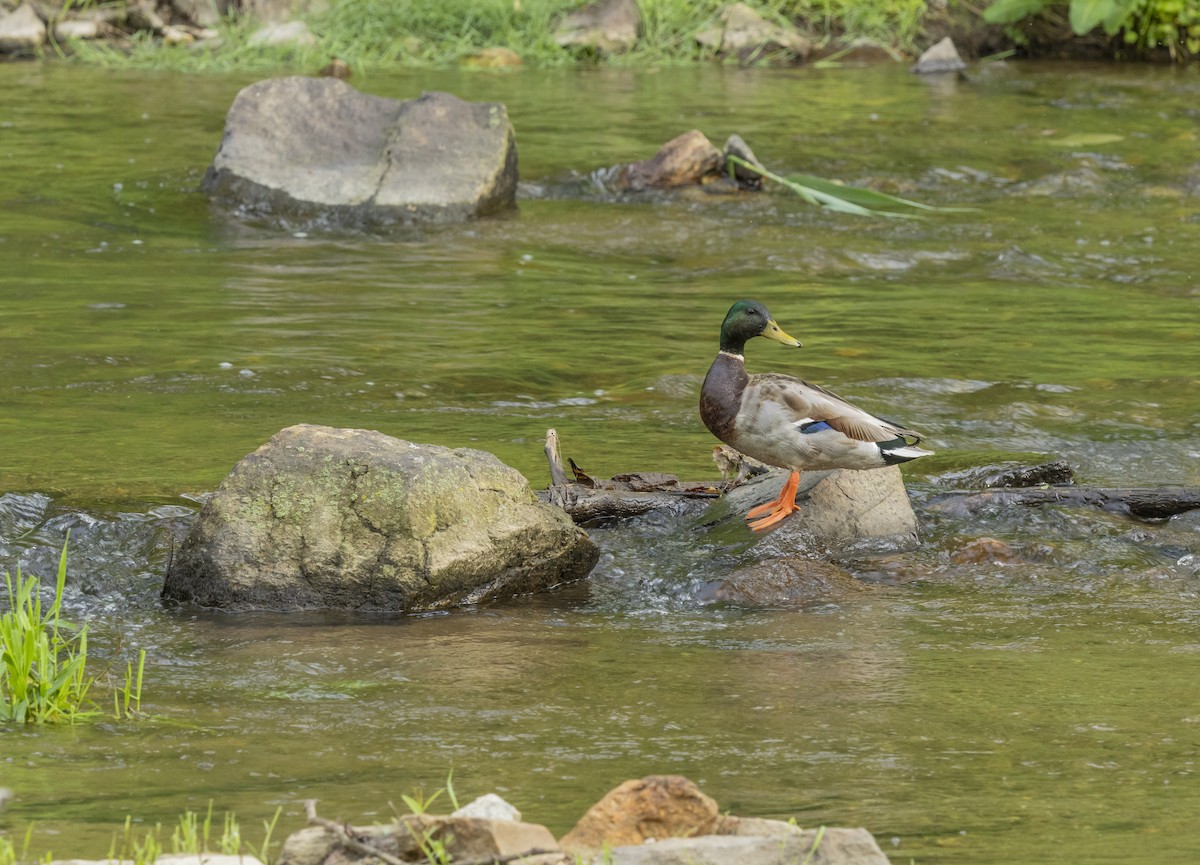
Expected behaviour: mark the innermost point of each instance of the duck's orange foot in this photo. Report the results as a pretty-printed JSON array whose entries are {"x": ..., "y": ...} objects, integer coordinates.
[{"x": 778, "y": 509}]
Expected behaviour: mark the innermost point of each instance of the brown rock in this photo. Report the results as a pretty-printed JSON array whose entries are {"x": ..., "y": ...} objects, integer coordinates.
[
  {"x": 985, "y": 551},
  {"x": 656, "y": 807},
  {"x": 684, "y": 160},
  {"x": 607, "y": 26},
  {"x": 745, "y": 34},
  {"x": 473, "y": 838},
  {"x": 493, "y": 58}
]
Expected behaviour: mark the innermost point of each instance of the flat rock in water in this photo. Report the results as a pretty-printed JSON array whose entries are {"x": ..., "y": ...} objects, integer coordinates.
[
  {"x": 827, "y": 846},
  {"x": 353, "y": 519},
  {"x": 315, "y": 151},
  {"x": 795, "y": 581}
]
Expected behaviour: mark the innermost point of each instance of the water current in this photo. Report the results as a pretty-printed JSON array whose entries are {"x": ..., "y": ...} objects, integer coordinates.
[{"x": 1038, "y": 705}]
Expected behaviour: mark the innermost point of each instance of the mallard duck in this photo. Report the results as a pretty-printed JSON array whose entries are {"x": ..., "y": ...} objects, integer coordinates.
[{"x": 790, "y": 423}]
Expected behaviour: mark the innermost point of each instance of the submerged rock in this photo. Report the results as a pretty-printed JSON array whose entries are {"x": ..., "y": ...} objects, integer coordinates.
[
  {"x": 795, "y": 581},
  {"x": 315, "y": 150},
  {"x": 353, "y": 519}
]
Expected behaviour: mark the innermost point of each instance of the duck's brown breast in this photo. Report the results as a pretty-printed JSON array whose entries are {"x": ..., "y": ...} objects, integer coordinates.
[{"x": 721, "y": 396}]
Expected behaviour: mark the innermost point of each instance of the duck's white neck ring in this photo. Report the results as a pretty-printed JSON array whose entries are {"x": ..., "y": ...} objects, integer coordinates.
[{"x": 733, "y": 354}]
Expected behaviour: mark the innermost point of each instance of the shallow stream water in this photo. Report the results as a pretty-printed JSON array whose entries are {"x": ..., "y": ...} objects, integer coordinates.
[{"x": 1029, "y": 700}]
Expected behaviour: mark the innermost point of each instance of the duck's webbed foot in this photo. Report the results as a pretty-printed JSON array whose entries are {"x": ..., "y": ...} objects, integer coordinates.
[{"x": 777, "y": 509}]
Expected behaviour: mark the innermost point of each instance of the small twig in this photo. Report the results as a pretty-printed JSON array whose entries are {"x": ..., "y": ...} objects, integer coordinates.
[
  {"x": 500, "y": 860},
  {"x": 342, "y": 831},
  {"x": 558, "y": 474}
]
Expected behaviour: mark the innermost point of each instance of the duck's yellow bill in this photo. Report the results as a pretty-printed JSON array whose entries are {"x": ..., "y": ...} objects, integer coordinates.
[{"x": 775, "y": 332}]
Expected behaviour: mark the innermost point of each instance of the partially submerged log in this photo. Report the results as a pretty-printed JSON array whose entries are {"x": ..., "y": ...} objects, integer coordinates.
[
  {"x": 635, "y": 494},
  {"x": 1149, "y": 503}
]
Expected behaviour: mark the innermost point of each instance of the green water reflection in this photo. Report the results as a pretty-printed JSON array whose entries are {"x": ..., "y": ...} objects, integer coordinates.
[{"x": 980, "y": 714}]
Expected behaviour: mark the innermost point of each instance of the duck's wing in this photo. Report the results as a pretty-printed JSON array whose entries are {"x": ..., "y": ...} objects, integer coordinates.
[{"x": 806, "y": 404}]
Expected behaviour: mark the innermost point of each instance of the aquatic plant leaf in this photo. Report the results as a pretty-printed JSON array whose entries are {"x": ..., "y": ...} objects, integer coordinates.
[
  {"x": 867, "y": 197},
  {"x": 842, "y": 198}
]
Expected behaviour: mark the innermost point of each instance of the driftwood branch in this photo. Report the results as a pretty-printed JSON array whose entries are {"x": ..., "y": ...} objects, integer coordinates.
[
  {"x": 346, "y": 838},
  {"x": 558, "y": 475},
  {"x": 631, "y": 495},
  {"x": 507, "y": 857}
]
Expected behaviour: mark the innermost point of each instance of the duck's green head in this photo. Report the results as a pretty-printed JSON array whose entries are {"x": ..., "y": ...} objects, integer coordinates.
[{"x": 747, "y": 319}]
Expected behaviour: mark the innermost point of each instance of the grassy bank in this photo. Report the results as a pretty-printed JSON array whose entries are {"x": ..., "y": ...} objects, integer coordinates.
[
  {"x": 370, "y": 34},
  {"x": 382, "y": 34}
]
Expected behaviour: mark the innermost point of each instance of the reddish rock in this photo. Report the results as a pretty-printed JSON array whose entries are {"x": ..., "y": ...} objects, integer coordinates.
[
  {"x": 684, "y": 160},
  {"x": 658, "y": 807},
  {"x": 985, "y": 551}
]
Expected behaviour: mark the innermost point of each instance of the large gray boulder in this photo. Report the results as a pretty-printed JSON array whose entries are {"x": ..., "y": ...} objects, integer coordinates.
[
  {"x": 353, "y": 519},
  {"x": 316, "y": 151}
]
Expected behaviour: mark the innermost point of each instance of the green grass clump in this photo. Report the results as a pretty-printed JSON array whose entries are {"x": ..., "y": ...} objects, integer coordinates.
[
  {"x": 1143, "y": 24},
  {"x": 42, "y": 658},
  {"x": 192, "y": 834},
  {"x": 370, "y": 34}
]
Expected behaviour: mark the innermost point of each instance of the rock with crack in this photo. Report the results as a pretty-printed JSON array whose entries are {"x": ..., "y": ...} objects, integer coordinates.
[
  {"x": 320, "y": 517},
  {"x": 315, "y": 152}
]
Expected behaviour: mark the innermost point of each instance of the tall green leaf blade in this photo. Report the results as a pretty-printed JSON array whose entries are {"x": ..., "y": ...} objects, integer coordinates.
[
  {"x": 1085, "y": 15},
  {"x": 1008, "y": 11}
]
